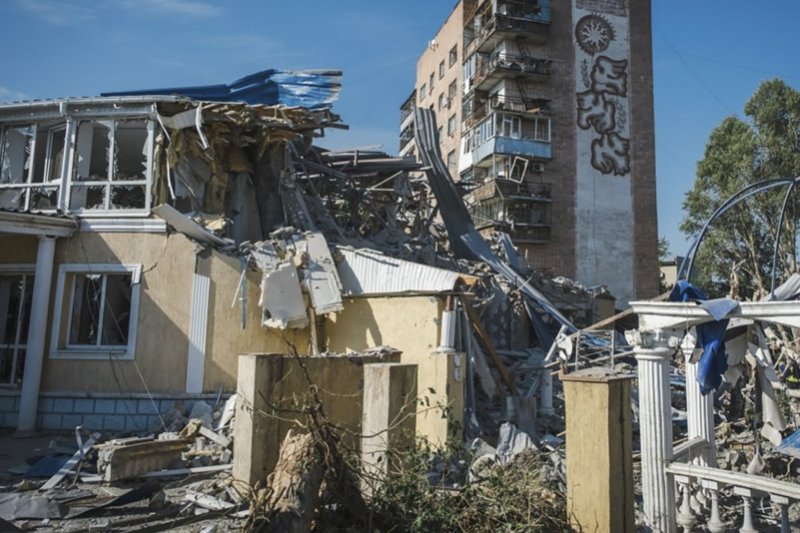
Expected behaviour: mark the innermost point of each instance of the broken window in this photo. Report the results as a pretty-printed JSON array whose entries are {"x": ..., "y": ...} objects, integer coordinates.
[
  {"x": 430, "y": 82},
  {"x": 423, "y": 92},
  {"x": 99, "y": 304},
  {"x": 111, "y": 165},
  {"x": 441, "y": 69},
  {"x": 15, "y": 312},
  {"x": 441, "y": 101},
  {"x": 16, "y": 151},
  {"x": 453, "y": 57}
]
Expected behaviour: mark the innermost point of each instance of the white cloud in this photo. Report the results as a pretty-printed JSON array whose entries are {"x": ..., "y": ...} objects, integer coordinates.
[{"x": 8, "y": 95}]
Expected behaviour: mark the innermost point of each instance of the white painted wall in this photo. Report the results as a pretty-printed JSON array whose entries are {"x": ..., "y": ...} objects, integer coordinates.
[{"x": 604, "y": 200}]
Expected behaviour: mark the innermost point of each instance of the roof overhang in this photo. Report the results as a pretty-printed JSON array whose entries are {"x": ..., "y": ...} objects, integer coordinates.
[{"x": 40, "y": 225}]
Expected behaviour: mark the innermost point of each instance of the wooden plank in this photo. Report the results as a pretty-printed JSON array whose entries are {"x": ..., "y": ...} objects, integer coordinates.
[
  {"x": 69, "y": 465},
  {"x": 629, "y": 311},
  {"x": 487, "y": 342}
]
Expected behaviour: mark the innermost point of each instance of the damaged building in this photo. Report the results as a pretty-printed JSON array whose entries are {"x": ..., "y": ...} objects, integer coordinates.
[
  {"x": 545, "y": 113},
  {"x": 149, "y": 239}
]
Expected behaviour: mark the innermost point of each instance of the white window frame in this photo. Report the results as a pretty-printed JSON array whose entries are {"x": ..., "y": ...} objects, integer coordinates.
[
  {"x": 67, "y": 351},
  {"x": 147, "y": 181},
  {"x": 25, "y": 270}
]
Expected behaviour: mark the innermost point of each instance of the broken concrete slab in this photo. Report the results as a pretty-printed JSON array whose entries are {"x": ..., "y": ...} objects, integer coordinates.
[{"x": 119, "y": 462}]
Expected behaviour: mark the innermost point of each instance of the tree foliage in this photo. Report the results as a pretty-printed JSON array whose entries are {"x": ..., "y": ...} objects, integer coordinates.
[{"x": 736, "y": 254}]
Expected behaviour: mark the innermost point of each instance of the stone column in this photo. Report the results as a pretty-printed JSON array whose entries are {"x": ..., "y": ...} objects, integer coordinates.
[
  {"x": 388, "y": 420},
  {"x": 37, "y": 330},
  {"x": 699, "y": 408},
  {"x": 655, "y": 430}
]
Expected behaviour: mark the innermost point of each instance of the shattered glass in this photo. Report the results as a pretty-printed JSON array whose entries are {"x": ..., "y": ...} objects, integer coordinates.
[
  {"x": 88, "y": 197},
  {"x": 130, "y": 162},
  {"x": 15, "y": 161},
  {"x": 128, "y": 197}
]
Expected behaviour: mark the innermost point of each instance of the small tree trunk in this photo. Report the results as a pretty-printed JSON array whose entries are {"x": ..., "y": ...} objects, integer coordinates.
[{"x": 295, "y": 485}]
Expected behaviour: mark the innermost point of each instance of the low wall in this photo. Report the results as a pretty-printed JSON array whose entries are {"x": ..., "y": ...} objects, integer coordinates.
[{"x": 107, "y": 412}]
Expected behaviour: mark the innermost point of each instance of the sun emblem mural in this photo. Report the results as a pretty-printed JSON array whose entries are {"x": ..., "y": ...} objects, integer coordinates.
[{"x": 594, "y": 33}]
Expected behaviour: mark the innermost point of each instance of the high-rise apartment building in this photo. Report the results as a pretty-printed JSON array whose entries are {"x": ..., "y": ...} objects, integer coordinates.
[{"x": 545, "y": 114}]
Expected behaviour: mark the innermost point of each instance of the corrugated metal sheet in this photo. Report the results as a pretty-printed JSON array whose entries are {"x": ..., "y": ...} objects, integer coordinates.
[
  {"x": 312, "y": 89},
  {"x": 365, "y": 272}
]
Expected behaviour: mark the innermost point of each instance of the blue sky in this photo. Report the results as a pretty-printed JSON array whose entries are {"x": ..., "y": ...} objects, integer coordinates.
[{"x": 709, "y": 57}]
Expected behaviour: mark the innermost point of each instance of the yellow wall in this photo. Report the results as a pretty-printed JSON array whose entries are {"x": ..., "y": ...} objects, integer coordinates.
[
  {"x": 226, "y": 339},
  {"x": 165, "y": 299}
]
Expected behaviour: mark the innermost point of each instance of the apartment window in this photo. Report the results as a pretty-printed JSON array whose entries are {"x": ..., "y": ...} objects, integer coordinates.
[
  {"x": 111, "y": 166},
  {"x": 451, "y": 162},
  {"x": 441, "y": 101},
  {"x": 439, "y": 132},
  {"x": 453, "y": 56},
  {"x": 430, "y": 82},
  {"x": 423, "y": 92},
  {"x": 451, "y": 90},
  {"x": 16, "y": 288},
  {"x": 451, "y": 125},
  {"x": 96, "y": 311},
  {"x": 441, "y": 70}
]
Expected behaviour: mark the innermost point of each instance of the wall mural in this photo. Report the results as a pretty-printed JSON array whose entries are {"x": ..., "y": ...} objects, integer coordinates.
[
  {"x": 603, "y": 105},
  {"x": 604, "y": 213}
]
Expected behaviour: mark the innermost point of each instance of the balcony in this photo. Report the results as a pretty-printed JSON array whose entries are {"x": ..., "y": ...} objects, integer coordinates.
[
  {"x": 512, "y": 19},
  {"x": 520, "y": 209},
  {"x": 406, "y": 136},
  {"x": 499, "y": 66},
  {"x": 407, "y": 110},
  {"x": 509, "y": 134},
  {"x": 478, "y": 105}
]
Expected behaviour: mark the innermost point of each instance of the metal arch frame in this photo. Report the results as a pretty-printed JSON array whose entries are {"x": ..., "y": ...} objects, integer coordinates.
[{"x": 687, "y": 266}]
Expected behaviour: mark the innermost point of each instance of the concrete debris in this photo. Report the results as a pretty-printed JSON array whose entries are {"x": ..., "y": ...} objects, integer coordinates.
[{"x": 116, "y": 462}]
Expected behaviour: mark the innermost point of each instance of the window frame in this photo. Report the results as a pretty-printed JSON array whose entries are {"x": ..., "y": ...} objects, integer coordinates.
[
  {"x": 441, "y": 69},
  {"x": 453, "y": 56},
  {"x": 26, "y": 270},
  {"x": 64, "y": 350},
  {"x": 452, "y": 125},
  {"x": 73, "y": 183}
]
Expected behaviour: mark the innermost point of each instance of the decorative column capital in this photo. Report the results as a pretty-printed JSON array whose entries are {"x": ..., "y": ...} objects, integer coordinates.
[{"x": 654, "y": 343}]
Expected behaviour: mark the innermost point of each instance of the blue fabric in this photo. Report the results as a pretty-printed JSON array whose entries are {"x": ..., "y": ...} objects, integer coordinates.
[
  {"x": 710, "y": 335},
  {"x": 312, "y": 89},
  {"x": 683, "y": 291}
]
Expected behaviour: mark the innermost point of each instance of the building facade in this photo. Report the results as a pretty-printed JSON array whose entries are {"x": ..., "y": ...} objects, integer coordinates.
[{"x": 548, "y": 126}]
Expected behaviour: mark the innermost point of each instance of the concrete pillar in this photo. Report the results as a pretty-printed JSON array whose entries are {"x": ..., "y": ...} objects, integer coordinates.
[
  {"x": 699, "y": 408},
  {"x": 389, "y": 419},
  {"x": 655, "y": 430},
  {"x": 37, "y": 330},
  {"x": 441, "y": 379},
  {"x": 599, "y": 450}
]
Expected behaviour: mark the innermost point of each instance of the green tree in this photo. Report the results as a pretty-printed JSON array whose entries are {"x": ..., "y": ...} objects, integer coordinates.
[
  {"x": 736, "y": 254},
  {"x": 663, "y": 249}
]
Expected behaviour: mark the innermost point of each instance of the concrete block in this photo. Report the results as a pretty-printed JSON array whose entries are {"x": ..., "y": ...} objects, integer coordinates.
[
  {"x": 600, "y": 468},
  {"x": 118, "y": 462},
  {"x": 126, "y": 407},
  {"x": 274, "y": 383},
  {"x": 62, "y": 405},
  {"x": 388, "y": 418},
  {"x": 7, "y": 404},
  {"x": 45, "y": 405},
  {"x": 84, "y": 406},
  {"x": 102, "y": 406},
  {"x": 93, "y": 422},
  {"x": 113, "y": 422},
  {"x": 51, "y": 421},
  {"x": 70, "y": 420}
]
